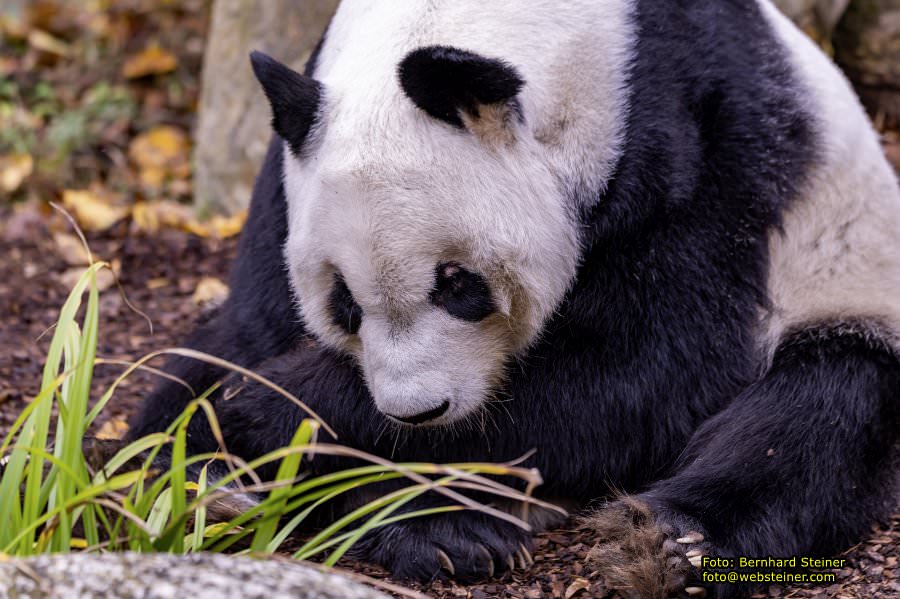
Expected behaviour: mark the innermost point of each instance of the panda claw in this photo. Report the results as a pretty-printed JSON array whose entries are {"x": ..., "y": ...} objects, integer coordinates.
[
  {"x": 511, "y": 562},
  {"x": 696, "y": 561},
  {"x": 529, "y": 560},
  {"x": 694, "y": 553},
  {"x": 446, "y": 564},
  {"x": 490, "y": 560},
  {"x": 691, "y": 538},
  {"x": 695, "y": 591}
]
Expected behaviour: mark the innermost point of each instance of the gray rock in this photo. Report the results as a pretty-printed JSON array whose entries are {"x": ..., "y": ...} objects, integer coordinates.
[
  {"x": 233, "y": 127},
  {"x": 166, "y": 576}
]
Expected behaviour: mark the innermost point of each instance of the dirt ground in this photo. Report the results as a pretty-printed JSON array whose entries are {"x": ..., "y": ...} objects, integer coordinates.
[
  {"x": 103, "y": 101},
  {"x": 160, "y": 276}
]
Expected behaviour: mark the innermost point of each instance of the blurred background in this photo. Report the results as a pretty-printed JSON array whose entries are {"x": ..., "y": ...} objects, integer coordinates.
[
  {"x": 117, "y": 105},
  {"x": 142, "y": 119}
]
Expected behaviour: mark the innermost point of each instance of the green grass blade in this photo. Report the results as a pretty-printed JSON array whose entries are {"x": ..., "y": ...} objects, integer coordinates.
[
  {"x": 177, "y": 484},
  {"x": 287, "y": 471},
  {"x": 199, "y": 513},
  {"x": 160, "y": 512}
]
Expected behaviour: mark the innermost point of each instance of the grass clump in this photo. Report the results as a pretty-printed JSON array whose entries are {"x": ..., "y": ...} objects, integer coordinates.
[{"x": 52, "y": 499}]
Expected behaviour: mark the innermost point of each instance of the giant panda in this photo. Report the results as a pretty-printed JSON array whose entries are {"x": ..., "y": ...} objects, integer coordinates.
[{"x": 656, "y": 241}]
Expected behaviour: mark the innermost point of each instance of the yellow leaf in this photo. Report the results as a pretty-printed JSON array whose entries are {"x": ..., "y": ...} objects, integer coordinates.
[
  {"x": 93, "y": 210},
  {"x": 153, "y": 60},
  {"x": 161, "y": 152},
  {"x": 150, "y": 216},
  {"x": 41, "y": 40},
  {"x": 71, "y": 249},
  {"x": 157, "y": 283},
  {"x": 113, "y": 429},
  {"x": 220, "y": 528},
  {"x": 14, "y": 169},
  {"x": 144, "y": 217},
  {"x": 210, "y": 290},
  {"x": 224, "y": 227}
]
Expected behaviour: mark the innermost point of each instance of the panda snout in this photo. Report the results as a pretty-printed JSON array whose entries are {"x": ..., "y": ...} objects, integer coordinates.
[{"x": 422, "y": 417}]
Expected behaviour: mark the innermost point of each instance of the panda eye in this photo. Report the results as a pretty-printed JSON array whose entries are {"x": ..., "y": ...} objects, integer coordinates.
[
  {"x": 345, "y": 312},
  {"x": 463, "y": 293}
]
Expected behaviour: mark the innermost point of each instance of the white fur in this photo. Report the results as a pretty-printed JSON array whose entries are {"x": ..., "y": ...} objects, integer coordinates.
[
  {"x": 388, "y": 192},
  {"x": 838, "y": 256}
]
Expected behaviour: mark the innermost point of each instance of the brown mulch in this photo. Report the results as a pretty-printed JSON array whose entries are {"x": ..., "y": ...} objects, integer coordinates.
[{"x": 159, "y": 274}]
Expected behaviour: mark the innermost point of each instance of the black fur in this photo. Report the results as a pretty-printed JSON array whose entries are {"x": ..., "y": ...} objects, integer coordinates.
[
  {"x": 653, "y": 353},
  {"x": 295, "y": 99},
  {"x": 442, "y": 81},
  {"x": 463, "y": 293},
  {"x": 811, "y": 448},
  {"x": 345, "y": 312}
]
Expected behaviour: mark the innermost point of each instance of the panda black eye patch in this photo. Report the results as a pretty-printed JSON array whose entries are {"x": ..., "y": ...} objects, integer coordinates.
[
  {"x": 462, "y": 293},
  {"x": 345, "y": 312}
]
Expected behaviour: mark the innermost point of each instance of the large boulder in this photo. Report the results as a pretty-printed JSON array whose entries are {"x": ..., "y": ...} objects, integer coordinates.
[{"x": 167, "y": 576}]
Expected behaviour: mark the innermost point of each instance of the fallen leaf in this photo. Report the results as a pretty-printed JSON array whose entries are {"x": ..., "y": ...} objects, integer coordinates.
[
  {"x": 151, "y": 216},
  {"x": 14, "y": 169},
  {"x": 95, "y": 210},
  {"x": 43, "y": 41},
  {"x": 153, "y": 60},
  {"x": 157, "y": 283},
  {"x": 71, "y": 249},
  {"x": 113, "y": 429},
  {"x": 159, "y": 153},
  {"x": 580, "y": 584},
  {"x": 224, "y": 227},
  {"x": 105, "y": 278},
  {"x": 210, "y": 291}
]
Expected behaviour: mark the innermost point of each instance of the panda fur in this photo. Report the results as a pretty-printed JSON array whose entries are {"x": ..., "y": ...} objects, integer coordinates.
[{"x": 691, "y": 245}]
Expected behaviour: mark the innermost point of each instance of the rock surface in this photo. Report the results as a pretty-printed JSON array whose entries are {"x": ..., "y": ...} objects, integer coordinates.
[
  {"x": 233, "y": 129},
  {"x": 166, "y": 576}
]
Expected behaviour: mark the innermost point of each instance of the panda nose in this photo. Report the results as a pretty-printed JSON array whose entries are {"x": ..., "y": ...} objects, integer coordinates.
[{"x": 423, "y": 417}]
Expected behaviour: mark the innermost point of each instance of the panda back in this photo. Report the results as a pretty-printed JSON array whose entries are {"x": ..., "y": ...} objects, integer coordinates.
[{"x": 836, "y": 257}]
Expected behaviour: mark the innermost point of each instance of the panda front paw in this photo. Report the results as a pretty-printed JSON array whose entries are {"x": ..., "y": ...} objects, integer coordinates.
[
  {"x": 648, "y": 555},
  {"x": 465, "y": 546}
]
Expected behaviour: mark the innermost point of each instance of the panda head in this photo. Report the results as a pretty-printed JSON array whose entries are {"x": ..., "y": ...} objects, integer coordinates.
[{"x": 430, "y": 234}]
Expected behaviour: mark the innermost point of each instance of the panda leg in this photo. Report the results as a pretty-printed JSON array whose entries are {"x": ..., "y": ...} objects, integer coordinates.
[{"x": 800, "y": 464}]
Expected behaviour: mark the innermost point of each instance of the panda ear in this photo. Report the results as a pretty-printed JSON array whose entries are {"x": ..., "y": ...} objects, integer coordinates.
[
  {"x": 462, "y": 88},
  {"x": 294, "y": 98}
]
